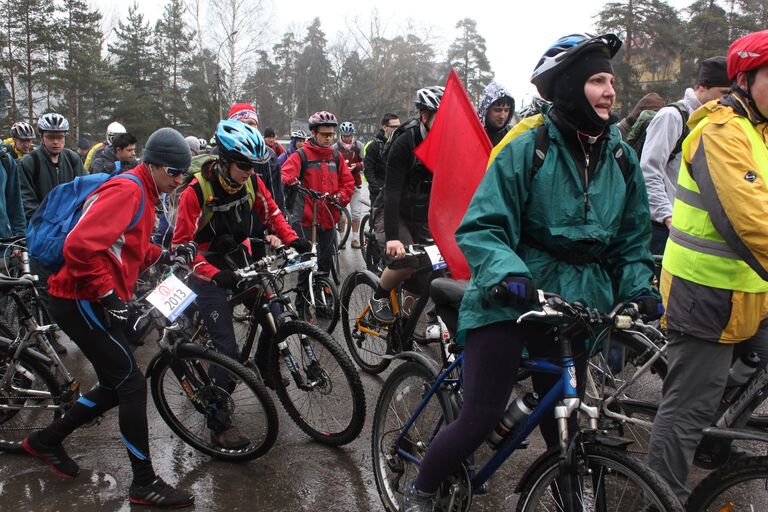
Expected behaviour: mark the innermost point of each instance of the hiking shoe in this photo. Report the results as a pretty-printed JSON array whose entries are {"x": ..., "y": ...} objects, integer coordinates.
[
  {"x": 416, "y": 501},
  {"x": 54, "y": 456},
  {"x": 381, "y": 310},
  {"x": 356, "y": 244},
  {"x": 159, "y": 494},
  {"x": 230, "y": 438},
  {"x": 268, "y": 378}
]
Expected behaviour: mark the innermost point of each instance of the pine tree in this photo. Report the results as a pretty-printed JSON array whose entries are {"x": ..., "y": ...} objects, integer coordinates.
[
  {"x": 79, "y": 77},
  {"x": 467, "y": 55},
  {"x": 138, "y": 106},
  {"x": 173, "y": 43},
  {"x": 203, "y": 112},
  {"x": 312, "y": 72}
]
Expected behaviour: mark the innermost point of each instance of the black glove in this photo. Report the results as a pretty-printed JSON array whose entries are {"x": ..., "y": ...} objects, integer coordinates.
[
  {"x": 302, "y": 245},
  {"x": 185, "y": 253},
  {"x": 225, "y": 279},
  {"x": 166, "y": 258},
  {"x": 651, "y": 308},
  {"x": 116, "y": 311},
  {"x": 516, "y": 290}
]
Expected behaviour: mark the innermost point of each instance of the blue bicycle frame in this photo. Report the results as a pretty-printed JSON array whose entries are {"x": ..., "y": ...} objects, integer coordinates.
[{"x": 564, "y": 392}]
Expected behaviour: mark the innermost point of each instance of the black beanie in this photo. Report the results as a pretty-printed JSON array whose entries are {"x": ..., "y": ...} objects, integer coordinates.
[
  {"x": 714, "y": 73},
  {"x": 168, "y": 148},
  {"x": 569, "y": 99}
]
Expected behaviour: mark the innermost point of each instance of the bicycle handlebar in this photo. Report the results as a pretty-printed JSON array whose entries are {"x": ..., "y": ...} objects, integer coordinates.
[
  {"x": 314, "y": 194},
  {"x": 13, "y": 239}
]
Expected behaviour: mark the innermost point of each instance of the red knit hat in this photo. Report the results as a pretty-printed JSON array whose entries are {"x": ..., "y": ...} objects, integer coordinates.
[{"x": 240, "y": 111}]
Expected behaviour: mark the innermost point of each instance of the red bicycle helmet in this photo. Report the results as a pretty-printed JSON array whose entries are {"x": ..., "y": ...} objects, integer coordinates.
[
  {"x": 322, "y": 118},
  {"x": 748, "y": 53}
]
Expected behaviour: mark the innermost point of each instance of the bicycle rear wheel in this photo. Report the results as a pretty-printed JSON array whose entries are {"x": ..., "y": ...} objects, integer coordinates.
[
  {"x": 607, "y": 479},
  {"x": 738, "y": 486},
  {"x": 366, "y": 339},
  {"x": 35, "y": 395},
  {"x": 323, "y": 394},
  {"x": 325, "y": 311},
  {"x": 364, "y": 227},
  {"x": 197, "y": 404},
  {"x": 400, "y": 396}
]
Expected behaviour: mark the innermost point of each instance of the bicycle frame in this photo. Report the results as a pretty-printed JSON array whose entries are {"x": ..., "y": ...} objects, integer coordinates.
[
  {"x": 70, "y": 388},
  {"x": 562, "y": 397}
]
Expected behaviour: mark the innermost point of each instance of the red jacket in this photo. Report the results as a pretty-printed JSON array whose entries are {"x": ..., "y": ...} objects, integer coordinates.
[
  {"x": 353, "y": 156},
  {"x": 190, "y": 212},
  {"x": 318, "y": 176},
  {"x": 277, "y": 148},
  {"x": 99, "y": 254}
]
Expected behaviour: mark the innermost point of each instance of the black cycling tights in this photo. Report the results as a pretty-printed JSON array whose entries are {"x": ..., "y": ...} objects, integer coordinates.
[
  {"x": 121, "y": 383},
  {"x": 491, "y": 360}
]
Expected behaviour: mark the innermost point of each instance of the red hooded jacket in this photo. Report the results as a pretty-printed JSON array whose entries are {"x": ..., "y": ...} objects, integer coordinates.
[
  {"x": 99, "y": 254},
  {"x": 190, "y": 212},
  {"x": 318, "y": 176}
]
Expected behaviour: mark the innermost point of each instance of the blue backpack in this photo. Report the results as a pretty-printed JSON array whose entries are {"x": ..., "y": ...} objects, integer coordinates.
[{"x": 59, "y": 213}]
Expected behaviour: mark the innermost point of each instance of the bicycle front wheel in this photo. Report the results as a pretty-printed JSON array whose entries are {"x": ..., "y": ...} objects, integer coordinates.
[
  {"x": 30, "y": 402},
  {"x": 344, "y": 226},
  {"x": 324, "y": 313},
  {"x": 614, "y": 366},
  {"x": 400, "y": 396},
  {"x": 607, "y": 479},
  {"x": 318, "y": 384},
  {"x": 366, "y": 338},
  {"x": 213, "y": 393},
  {"x": 738, "y": 486}
]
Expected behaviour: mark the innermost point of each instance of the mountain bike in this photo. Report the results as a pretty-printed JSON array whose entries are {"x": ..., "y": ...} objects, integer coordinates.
[
  {"x": 36, "y": 387},
  {"x": 587, "y": 471},
  {"x": 344, "y": 226},
  {"x": 369, "y": 341},
  {"x": 313, "y": 377},
  {"x": 372, "y": 254}
]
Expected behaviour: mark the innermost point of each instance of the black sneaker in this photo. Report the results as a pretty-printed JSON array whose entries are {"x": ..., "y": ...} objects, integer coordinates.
[
  {"x": 268, "y": 377},
  {"x": 160, "y": 494},
  {"x": 55, "y": 456},
  {"x": 381, "y": 310}
]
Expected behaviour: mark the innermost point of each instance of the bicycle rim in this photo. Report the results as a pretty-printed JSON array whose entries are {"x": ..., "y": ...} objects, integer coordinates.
[
  {"x": 742, "y": 486},
  {"x": 233, "y": 397},
  {"x": 366, "y": 347},
  {"x": 400, "y": 396},
  {"x": 607, "y": 480},
  {"x": 33, "y": 386},
  {"x": 324, "y": 396}
]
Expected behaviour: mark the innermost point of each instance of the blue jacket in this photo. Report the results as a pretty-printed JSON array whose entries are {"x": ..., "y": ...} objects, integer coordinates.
[{"x": 12, "y": 220}]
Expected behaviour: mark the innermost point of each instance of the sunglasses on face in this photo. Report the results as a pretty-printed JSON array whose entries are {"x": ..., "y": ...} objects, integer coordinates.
[
  {"x": 173, "y": 172},
  {"x": 244, "y": 166}
]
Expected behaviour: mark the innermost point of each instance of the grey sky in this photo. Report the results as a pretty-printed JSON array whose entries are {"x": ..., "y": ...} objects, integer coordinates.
[{"x": 516, "y": 33}]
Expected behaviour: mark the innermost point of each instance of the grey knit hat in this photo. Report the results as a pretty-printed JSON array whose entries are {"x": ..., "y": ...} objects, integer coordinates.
[{"x": 168, "y": 148}]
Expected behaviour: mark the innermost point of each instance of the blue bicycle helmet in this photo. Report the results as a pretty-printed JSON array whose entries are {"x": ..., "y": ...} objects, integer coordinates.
[
  {"x": 562, "y": 52},
  {"x": 240, "y": 142}
]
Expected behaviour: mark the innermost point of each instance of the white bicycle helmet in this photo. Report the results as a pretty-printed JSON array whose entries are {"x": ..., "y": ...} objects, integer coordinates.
[
  {"x": 347, "y": 128},
  {"x": 113, "y": 129},
  {"x": 429, "y": 98}
]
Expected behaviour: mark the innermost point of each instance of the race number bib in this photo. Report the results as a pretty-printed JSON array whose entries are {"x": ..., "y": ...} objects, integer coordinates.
[
  {"x": 171, "y": 297},
  {"x": 435, "y": 257}
]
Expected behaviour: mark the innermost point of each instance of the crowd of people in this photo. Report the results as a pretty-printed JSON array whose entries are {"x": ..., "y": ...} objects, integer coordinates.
[{"x": 574, "y": 201}]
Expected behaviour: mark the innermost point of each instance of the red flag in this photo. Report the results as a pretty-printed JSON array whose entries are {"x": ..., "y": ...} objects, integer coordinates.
[{"x": 456, "y": 150}]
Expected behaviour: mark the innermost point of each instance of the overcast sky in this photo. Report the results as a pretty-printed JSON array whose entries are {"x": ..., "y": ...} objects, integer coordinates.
[{"x": 516, "y": 33}]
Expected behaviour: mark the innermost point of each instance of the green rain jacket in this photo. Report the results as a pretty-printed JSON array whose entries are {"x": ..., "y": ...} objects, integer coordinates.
[{"x": 549, "y": 208}]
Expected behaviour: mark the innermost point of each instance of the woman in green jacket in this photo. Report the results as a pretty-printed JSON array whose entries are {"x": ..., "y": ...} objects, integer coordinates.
[{"x": 575, "y": 223}]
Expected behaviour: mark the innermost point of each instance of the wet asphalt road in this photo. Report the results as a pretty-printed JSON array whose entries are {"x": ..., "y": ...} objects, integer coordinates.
[{"x": 296, "y": 475}]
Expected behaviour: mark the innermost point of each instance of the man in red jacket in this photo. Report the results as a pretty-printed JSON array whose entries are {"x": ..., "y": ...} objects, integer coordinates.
[
  {"x": 102, "y": 260},
  {"x": 215, "y": 211},
  {"x": 324, "y": 171}
]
